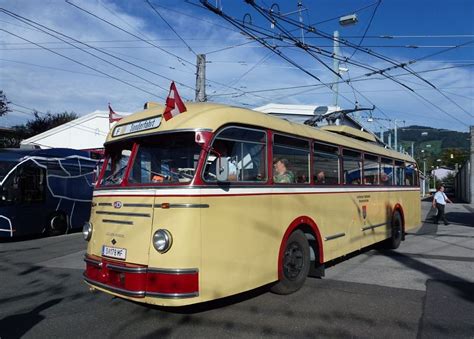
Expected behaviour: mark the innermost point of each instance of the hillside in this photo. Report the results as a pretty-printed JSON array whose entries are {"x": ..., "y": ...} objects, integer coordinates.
[{"x": 438, "y": 147}]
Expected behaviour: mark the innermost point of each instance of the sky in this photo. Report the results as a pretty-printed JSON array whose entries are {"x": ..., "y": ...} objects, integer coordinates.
[{"x": 80, "y": 55}]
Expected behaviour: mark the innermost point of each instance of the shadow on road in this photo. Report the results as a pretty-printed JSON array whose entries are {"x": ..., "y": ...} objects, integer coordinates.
[
  {"x": 15, "y": 326},
  {"x": 467, "y": 290},
  {"x": 461, "y": 218}
]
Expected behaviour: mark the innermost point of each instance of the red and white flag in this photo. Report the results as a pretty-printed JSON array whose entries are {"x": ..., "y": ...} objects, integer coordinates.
[
  {"x": 174, "y": 104},
  {"x": 113, "y": 116}
]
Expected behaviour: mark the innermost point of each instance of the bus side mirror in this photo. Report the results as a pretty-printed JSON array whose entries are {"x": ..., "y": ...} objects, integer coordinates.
[{"x": 222, "y": 169}]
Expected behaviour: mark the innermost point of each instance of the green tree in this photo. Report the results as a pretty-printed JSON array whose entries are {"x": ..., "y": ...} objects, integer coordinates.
[
  {"x": 452, "y": 156},
  {"x": 4, "y": 109},
  {"x": 41, "y": 124},
  {"x": 36, "y": 126}
]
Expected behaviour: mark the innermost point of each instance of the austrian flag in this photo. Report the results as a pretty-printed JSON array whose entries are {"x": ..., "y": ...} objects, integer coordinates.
[
  {"x": 174, "y": 104},
  {"x": 113, "y": 116}
]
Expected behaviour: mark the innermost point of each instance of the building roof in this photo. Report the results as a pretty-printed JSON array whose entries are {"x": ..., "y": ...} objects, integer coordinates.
[{"x": 86, "y": 132}]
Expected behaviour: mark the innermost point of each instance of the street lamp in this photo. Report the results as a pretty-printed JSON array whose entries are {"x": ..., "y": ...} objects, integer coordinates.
[{"x": 346, "y": 20}]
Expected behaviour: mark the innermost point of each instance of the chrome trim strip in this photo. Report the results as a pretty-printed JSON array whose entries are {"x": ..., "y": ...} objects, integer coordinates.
[
  {"x": 117, "y": 268},
  {"x": 173, "y": 270},
  {"x": 105, "y": 204},
  {"x": 93, "y": 262},
  {"x": 172, "y": 295},
  {"x": 138, "y": 205},
  {"x": 136, "y": 294},
  {"x": 121, "y": 222},
  {"x": 374, "y": 226},
  {"x": 334, "y": 236},
  {"x": 184, "y": 205},
  {"x": 125, "y": 214}
]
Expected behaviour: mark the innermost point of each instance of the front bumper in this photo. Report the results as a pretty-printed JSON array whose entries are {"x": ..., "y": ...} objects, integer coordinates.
[{"x": 139, "y": 281}]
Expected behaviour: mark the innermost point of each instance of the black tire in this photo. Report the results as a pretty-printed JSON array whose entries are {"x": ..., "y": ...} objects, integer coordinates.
[
  {"x": 295, "y": 264},
  {"x": 57, "y": 224},
  {"x": 397, "y": 231}
]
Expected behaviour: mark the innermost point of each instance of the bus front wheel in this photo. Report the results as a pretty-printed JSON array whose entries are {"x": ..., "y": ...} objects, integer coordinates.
[
  {"x": 294, "y": 264},
  {"x": 57, "y": 224},
  {"x": 397, "y": 231}
]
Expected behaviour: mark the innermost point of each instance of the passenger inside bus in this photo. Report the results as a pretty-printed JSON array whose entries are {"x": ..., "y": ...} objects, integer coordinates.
[
  {"x": 281, "y": 172},
  {"x": 384, "y": 179},
  {"x": 321, "y": 178}
]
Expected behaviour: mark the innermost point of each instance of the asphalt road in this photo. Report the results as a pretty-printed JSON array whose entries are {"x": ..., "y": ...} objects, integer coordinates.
[{"x": 425, "y": 289}]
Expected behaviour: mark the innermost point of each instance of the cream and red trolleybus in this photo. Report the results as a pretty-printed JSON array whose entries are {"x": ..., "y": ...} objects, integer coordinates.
[{"x": 194, "y": 208}]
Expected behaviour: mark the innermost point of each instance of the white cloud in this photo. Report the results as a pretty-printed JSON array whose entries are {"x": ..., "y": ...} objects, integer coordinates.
[{"x": 39, "y": 79}]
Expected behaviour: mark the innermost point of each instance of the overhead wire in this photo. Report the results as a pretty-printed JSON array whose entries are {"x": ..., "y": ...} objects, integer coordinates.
[
  {"x": 367, "y": 28},
  {"x": 81, "y": 63},
  {"x": 180, "y": 59},
  {"x": 34, "y": 24},
  {"x": 262, "y": 60},
  {"x": 313, "y": 30},
  {"x": 170, "y": 27},
  {"x": 184, "y": 61},
  {"x": 286, "y": 32},
  {"x": 264, "y": 42},
  {"x": 270, "y": 18}
]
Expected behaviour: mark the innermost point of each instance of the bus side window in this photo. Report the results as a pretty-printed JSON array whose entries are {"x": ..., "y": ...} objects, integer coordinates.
[
  {"x": 399, "y": 173},
  {"x": 32, "y": 183},
  {"x": 371, "y": 169},
  {"x": 386, "y": 172},
  {"x": 245, "y": 151},
  {"x": 352, "y": 165},
  {"x": 325, "y": 164},
  {"x": 297, "y": 155},
  {"x": 410, "y": 173}
]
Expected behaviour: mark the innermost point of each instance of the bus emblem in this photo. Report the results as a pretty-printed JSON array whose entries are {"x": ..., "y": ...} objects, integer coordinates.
[{"x": 117, "y": 204}]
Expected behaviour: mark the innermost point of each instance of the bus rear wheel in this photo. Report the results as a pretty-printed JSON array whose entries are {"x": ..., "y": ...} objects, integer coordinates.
[
  {"x": 294, "y": 265},
  {"x": 397, "y": 232},
  {"x": 57, "y": 224}
]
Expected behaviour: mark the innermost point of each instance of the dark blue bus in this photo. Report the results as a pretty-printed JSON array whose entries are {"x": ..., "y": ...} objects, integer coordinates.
[{"x": 45, "y": 191}]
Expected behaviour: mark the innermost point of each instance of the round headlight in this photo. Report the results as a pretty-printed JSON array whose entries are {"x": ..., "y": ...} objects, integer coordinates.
[
  {"x": 162, "y": 240},
  {"x": 87, "y": 231}
]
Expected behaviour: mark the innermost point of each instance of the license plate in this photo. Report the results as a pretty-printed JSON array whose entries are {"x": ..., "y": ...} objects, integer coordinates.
[{"x": 114, "y": 252}]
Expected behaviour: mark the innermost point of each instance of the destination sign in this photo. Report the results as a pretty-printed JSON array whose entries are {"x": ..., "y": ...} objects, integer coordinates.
[{"x": 137, "y": 126}]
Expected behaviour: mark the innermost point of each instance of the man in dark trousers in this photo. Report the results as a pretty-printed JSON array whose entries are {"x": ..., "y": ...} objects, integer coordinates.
[{"x": 439, "y": 201}]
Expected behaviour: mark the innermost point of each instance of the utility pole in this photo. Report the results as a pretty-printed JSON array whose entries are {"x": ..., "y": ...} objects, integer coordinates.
[
  {"x": 424, "y": 176},
  {"x": 396, "y": 136},
  {"x": 201, "y": 78},
  {"x": 335, "y": 86},
  {"x": 390, "y": 140},
  {"x": 395, "y": 121}
]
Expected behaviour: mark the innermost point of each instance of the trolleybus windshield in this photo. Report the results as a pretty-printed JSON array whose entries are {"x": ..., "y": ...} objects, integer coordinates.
[{"x": 158, "y": 159}]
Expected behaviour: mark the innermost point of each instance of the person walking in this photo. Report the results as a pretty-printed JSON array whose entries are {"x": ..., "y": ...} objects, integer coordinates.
[{"x": 439, "y": 202}]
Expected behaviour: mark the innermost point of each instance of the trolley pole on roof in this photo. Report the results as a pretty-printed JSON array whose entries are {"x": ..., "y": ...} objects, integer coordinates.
[{"x": 201, "y": 78}]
